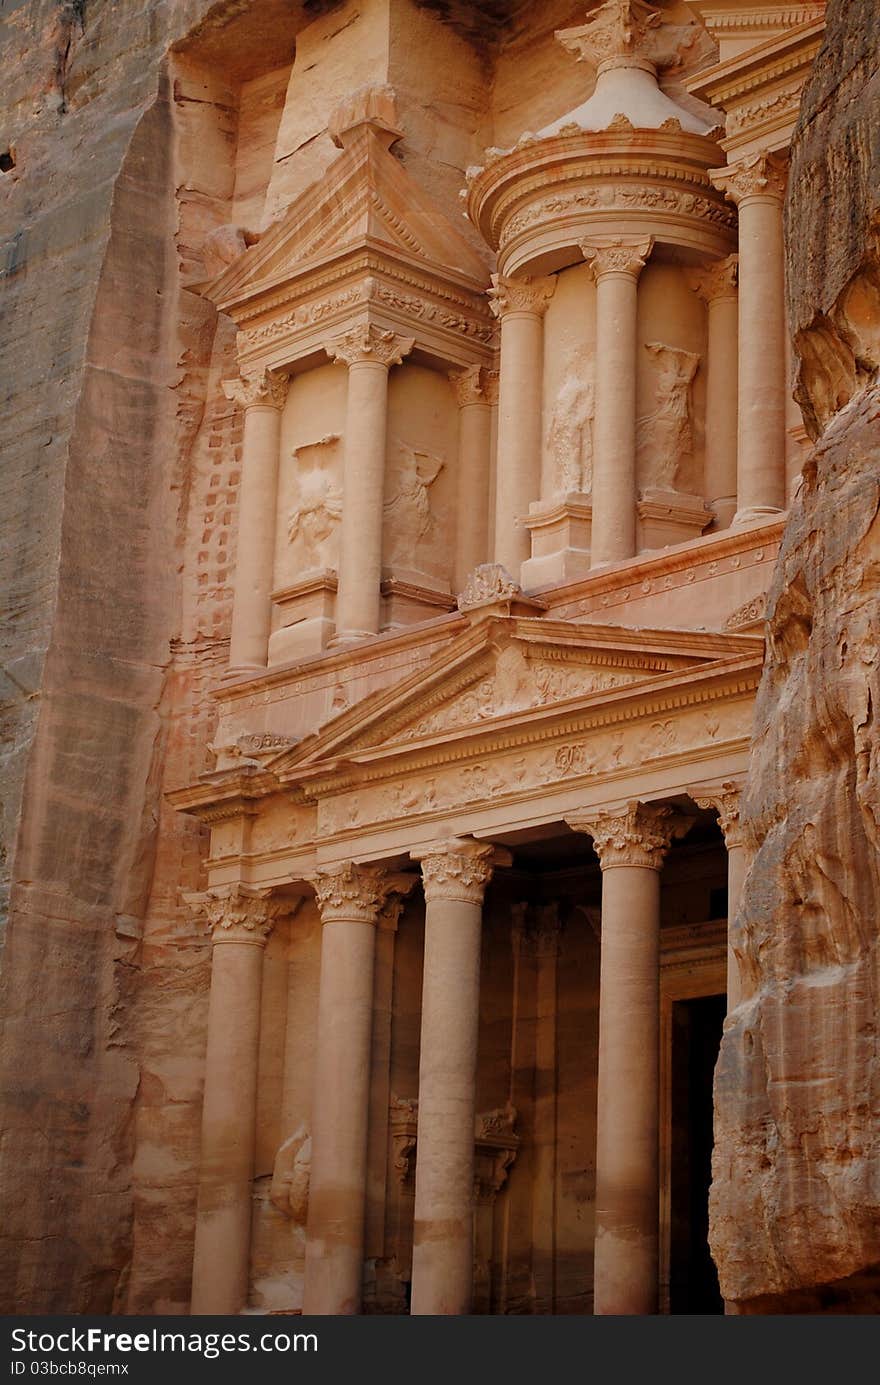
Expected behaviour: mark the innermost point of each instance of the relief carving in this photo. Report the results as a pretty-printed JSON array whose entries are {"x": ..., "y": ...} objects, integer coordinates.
[
  {"x": 408, "y": 512},
  {"x": 569, "y": 441},
  {"x": 312, "y": 522},
  {"x": 291, "y": 1173},
  {"x": 664, "y": 437}
]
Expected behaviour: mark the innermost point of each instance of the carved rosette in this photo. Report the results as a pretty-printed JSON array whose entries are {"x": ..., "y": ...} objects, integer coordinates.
[
  {"x": 621, "y": 257},
  {"x": 759, "y": 176},
  {"x": 238, "y": 914},
  {"x": 637, "y": 834},
  {"x": 266, "y": 389},
  {"x": 371, "y": 344},
  {"x": 488, "y": 583},
  {"x": 717, "y": 280},
  {"x": 457, "y": 869},
  {"x": 356, "y": 894},
  {"x": 474, "y": 385},
  {"x": 526, "y": 295},
  {"x": 725, "y": 799}
]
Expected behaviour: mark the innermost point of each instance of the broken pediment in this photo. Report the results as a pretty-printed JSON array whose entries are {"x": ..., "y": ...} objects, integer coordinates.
[{"x": 508, "y": 667}]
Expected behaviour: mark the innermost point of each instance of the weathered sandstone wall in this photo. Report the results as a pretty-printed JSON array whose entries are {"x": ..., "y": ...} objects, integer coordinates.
[{"x": 795, "y": 1203}]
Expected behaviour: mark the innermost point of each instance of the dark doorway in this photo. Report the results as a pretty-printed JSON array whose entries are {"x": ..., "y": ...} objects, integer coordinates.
[{"x": 696, "y": 1036}]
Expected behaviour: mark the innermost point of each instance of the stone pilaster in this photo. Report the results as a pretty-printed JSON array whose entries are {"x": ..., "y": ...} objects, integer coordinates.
[
  {"x": 757, "y": 186},
  {"x": 262, "y": 398},
  {"x": 616, "y": 268},
  {"x": 631, "y": 842},
  {"x": 476, "y": 390},
  {"x": 520, "y": 304},
  {"x": 240, "y": 920},
  {"x": 369, "y": 352},
  {"x": 725, "y": 799}
]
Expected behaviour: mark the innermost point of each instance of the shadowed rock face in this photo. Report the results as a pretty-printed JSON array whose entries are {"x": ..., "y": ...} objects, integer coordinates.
[{"x": 795, "y": 1203}]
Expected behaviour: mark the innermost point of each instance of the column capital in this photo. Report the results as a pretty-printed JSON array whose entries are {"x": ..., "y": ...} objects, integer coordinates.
[
  {"x": 368, "y": 343},
  {"x": 267, "y": 389},
  {"x": 356, "y": 894},
  {"x": 633, "y": 834},
  {"x": 527, "y": 295},
  {"x": 716, "y": 280},
  {"x": 623, "y": 256},
  {"x": 459, "y": 868},
  {"x": 759, "y": 176},
  {"x": 239, "y": 913},
  {"x": 474, "y": 385},
  {"x": 725, "y": 799}
]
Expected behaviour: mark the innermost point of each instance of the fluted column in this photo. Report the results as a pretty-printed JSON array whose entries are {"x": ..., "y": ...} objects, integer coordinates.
[
  {"x": 520, "y": 304},
  {"x": 262, "y": 398},
  {"x": 476, "y": 389},
  {"x": 631, "y": 843},
  {"x": 350, "y": 898},
  {"x": 757, "y": 186},
  {"x": 369, "y": 352},
  {"x": 241, "y": 923},
  {"x": 725, "y": 799},
  {"x": 716, "y": 285},
  {"x": 616, "y": 269},
  {"x": 455, "y": 874}
]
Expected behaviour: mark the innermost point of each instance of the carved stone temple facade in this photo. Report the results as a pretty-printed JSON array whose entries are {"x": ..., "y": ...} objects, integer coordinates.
[{"x": 485, "y": 385}]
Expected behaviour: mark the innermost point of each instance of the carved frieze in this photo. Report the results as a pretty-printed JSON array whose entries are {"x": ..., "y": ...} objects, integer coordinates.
[{"x": 621, "y": 197}]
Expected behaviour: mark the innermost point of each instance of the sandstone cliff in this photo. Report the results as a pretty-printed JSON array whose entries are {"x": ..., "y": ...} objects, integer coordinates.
[{"x": 795, "y": 1203}]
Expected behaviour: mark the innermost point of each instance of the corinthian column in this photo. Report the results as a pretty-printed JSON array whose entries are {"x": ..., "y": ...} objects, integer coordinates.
[
  {"x": 520, "y": 304},
  {"x": 455, "y": 875},
  {"x": 262, "y": 399},
  {"x": 716, "y": 285},
  {"x": 725, "y": 799},
  {"x": 350, "y": 898},
  {"x": 476, "y": 389},
  {"x": 757, "y": 186},
  {"x": 369, "y": 353},
  {"x": 616, "y": 269},
  {"x": 631, "y": 843},
  {"x": 241, "y": 922}
]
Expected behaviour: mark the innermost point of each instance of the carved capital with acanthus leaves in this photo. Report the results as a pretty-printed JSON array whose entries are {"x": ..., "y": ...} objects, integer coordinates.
[
  {"x": 761, "y": 176},
  {"x": 239, "y": 913},
  {"x": 459, "y": 869},
  {"x": 627, "y": 257},
  {"x": 267, "y": 389},
  {"x": 528, "y": 295},
  {"x": 628, "y": 33},
  {"x": 371, "y": 344},
  {"x": 717, "y": 280},
  {"x": 350, "y": 893},
  {"x": 635, "y": 834},
  {"x": 725, "y": 799},
  {"x": 474, "y": 385}
]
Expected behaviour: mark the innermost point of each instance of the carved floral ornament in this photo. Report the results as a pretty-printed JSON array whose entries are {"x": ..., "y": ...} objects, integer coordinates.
[
  {"x": 368, "y": 343},
  {"x": 265, "y": 388},
  {"x": 239, "y": 913},
  {"x": 635, "y": 834},
  {"x": 761, "y": 175},
  {"x": 353, "y": 893},
  {"x": 619, "y": 257}
]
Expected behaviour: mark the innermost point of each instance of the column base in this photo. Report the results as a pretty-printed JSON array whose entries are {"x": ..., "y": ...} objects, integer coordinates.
[
  {"x": 560, "y": 532},
  {"x": 307, "y": 610},
  {"x": 754, "y": 512},
  {"x": 724, "y": 511},
  {"x": 668, "y": 517}
]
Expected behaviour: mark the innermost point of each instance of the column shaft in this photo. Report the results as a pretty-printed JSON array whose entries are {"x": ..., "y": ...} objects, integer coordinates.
[
  {"x": 762, "y": 338},
  {"x": 716, "y": 285},
  {"x": 474, "y": 464},
  {"x": 737, "y": 864}
]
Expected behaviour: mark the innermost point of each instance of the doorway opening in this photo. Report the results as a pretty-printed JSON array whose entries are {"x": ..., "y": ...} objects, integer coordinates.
[{"x": 696, "y": 1037}]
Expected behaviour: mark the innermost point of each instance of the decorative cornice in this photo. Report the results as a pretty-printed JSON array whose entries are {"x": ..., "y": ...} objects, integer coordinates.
[
  {"x": 239, "y": 913},
  {"x": 350, "y": 893},
  {"x": 265, "y": 389},
  {"x": 725, "y": 799},
  {"x": 760, "y": 175},
  {"x": 621, "y": 257},
  {"x": 718, "y": 280},
  {"x": 635, "y": 834},
  {"x": 474, "y": 385},
  {"x": 528, "y": 295},
  {"x": 458, "y": 869},
  {"x": 367, "y": 342}
]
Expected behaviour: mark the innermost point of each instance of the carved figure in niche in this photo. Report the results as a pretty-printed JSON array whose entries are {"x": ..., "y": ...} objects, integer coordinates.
[
  {"x": 289, "y": 1190},
  {"x": 665, "y": 436},
  {"x": 569, "y": 440},
  {"x": 318, "y": 510},
  {"x": 409, "y": 508}
]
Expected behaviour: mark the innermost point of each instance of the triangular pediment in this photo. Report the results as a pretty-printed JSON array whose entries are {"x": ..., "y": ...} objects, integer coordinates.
[
  {"x": 507, "y": 668},
  {"x": 365, "y": 198}
]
